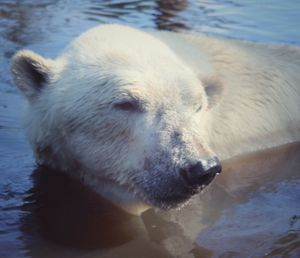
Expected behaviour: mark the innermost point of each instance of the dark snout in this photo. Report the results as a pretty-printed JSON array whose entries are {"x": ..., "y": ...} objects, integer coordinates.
[{"x": 201, "y": 173}]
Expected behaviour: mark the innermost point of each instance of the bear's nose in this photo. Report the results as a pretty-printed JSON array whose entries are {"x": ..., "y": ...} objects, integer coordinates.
[{"x": 201, "y": 173}]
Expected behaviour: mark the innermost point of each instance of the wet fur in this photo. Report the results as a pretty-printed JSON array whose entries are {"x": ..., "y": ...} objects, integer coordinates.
[{"x": 200, "y": 97}]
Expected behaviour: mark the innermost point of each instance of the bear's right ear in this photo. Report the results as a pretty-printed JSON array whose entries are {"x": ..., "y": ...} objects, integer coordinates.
[{"x": 31, "y": 72}]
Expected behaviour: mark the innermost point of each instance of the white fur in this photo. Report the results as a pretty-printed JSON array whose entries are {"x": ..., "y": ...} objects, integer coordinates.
[
  {"x": 260, "y": 105},
  {"x": 73, "y": 124}
]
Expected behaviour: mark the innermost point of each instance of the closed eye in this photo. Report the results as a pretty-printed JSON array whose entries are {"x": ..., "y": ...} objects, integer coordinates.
[
  {"x": 199, "y": 108},
  {"x": 129, "y": 105}
]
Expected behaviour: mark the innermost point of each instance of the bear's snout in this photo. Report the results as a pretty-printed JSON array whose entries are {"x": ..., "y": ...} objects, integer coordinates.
[{"x": 201, "y": 173}]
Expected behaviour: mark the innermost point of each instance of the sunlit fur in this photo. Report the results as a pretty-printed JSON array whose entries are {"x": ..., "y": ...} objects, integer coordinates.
[{"x": 198, "y": 97}]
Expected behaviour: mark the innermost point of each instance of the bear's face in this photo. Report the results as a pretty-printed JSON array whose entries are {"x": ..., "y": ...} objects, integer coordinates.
[{"x": 120, "y": 109}]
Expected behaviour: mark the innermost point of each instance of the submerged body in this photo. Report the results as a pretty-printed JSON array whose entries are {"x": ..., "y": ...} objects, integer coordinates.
[{"x": 142, "y": 117}]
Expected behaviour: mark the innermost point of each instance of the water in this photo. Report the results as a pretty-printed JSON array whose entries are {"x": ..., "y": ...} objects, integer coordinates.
[{"x": 251, "y": 210}]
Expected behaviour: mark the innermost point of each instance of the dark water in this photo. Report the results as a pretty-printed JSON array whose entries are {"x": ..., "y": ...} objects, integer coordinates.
[{"x": 251, "y": 210}]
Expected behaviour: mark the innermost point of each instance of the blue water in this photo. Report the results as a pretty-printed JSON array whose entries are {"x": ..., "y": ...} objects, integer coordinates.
[{"x": 46, "y": 27}]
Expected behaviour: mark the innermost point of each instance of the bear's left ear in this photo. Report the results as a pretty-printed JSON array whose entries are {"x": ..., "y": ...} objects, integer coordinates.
[
  {"x": 213, "y": 88},
  {"x": 31, "y": 72}
]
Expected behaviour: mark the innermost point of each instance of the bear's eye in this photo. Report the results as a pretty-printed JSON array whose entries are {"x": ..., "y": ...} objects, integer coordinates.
[
  {"x": 128, "y": 105},
  {"x": 199, "y": 108}
]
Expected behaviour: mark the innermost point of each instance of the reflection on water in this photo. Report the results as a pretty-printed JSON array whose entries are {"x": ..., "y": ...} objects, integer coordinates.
[
  {"x": 253, "y": 204},
  {"x": 166, "y": 15},
  {"x": 69, "y": 214},
  {"x": 251, "y": 209},
  {"x": 261, "y": 208}
]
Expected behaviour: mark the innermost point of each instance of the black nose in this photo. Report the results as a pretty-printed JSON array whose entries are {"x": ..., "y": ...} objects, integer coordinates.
[{"x": 201, "y": 173}]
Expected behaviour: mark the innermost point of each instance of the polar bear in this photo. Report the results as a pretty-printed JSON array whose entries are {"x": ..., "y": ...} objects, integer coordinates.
[{"x": 143, "y": 118}]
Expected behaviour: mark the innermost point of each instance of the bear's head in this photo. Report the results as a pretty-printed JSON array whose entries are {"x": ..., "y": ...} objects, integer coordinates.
[{"x": 121, "y": 112}]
